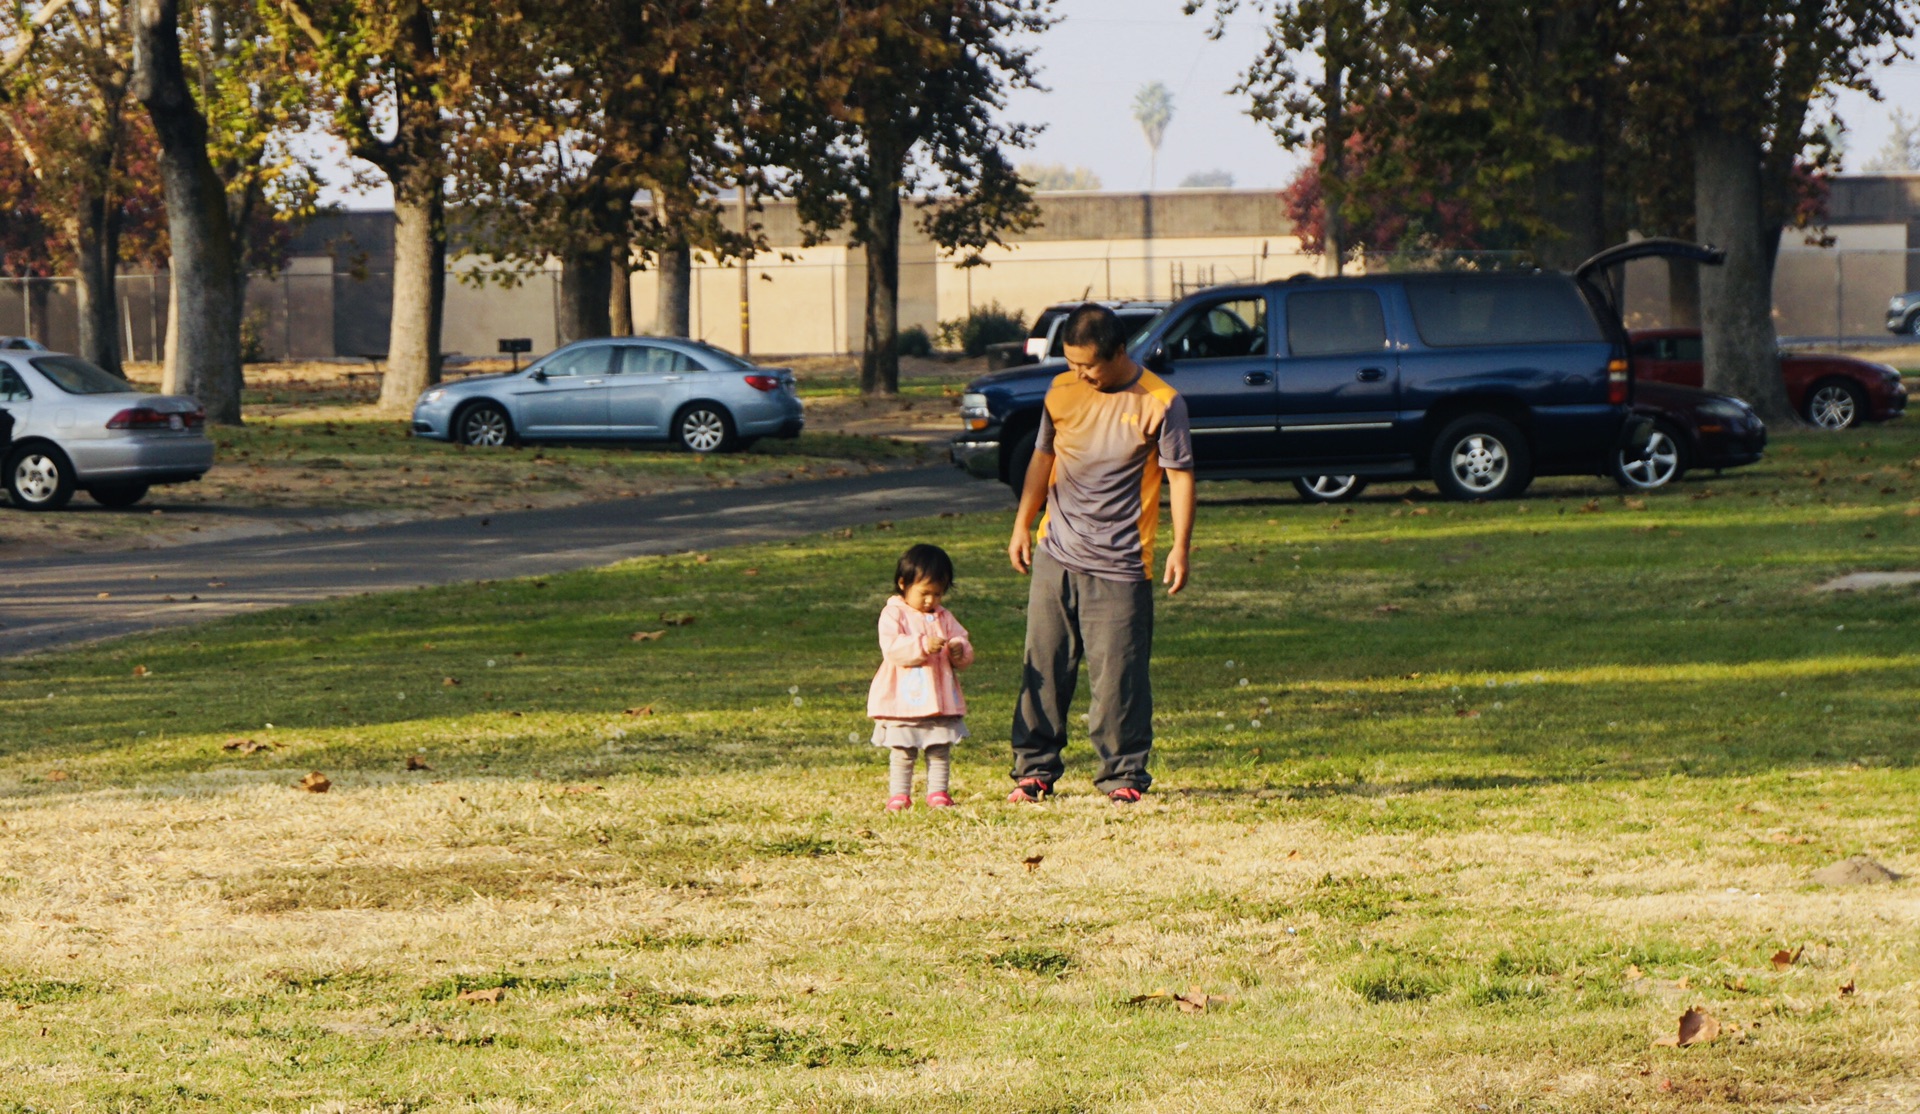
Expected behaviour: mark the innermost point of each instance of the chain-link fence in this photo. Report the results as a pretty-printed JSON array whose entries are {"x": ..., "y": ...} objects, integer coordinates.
[{"x": 817, "y": 306}]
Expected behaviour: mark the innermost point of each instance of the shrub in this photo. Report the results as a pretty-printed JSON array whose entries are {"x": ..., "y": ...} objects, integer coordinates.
[
  {"x": 913, "y": 342},
  {"x": 253, "y": 337},
  {"x": 985, "y": 325}
]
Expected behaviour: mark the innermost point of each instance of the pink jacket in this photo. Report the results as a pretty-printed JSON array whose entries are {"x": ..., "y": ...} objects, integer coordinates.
[{"x": 911, "y": 683}]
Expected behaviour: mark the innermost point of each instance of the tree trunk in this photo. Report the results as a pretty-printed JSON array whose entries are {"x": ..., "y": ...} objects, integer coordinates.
[
  {"x": 676, "y": 290},
  {"x": 39, "y": 294},
  {"x": 1683, "y": 293},
  {"x": 586, "y": 293},
  {"x": 96, "y": 236},
  {"x": 880, "y": 361},
  {"x": 620, "y": 290},
  {"x": 171, "y": 382},
  {"x": 419, "y": 289},
  {"x": 1736, "y": 298},
  {"x": 1333, "y": 149},
  {"x": 203, "y": 263}
]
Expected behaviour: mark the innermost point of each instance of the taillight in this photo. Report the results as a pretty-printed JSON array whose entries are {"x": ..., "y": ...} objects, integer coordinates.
[
  {"x": 763, "y": 382},
  {"x": 145, "y": 417},
  {"x": 1616, "y": 382}
]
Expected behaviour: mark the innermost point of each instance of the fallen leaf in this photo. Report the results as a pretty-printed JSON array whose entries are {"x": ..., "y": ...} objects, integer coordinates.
[
  {"x": 646, "y": 636},
  {"x": 644, "y": 711},
  {"x": 450, "y": 682},
  {"x": 1294, "y": 856},
  {"x": 59, "y": 775},
  {"x": 140, "y": 671},
  {"x": 417, "y": 762},
  {"x": 247, "y": 746},
  {"x": 701, "y": 558},
  {"x": 749, "y": 572},
  {"x": 1591, "y": 506},
  {"x": 1632, "y": 972},
  {"x": 315, "y": 782},
  {"x": 216, "y": 584},
  {"x": 102, "y": 595},
  {"x": 1635, "y": 504},
  {"x": 681, "y": 620},
  {"x": 1684, "y": 982},
  {"x": 1033, "y": 862},
  {"x": 1467, "y": 713},
  {"x": 1697, "y": 1026},
  {"x": 490, "y": 994},
  {"x": 579, "y": 790},
  {"x": 1387, "y": 608},
  {"x": 1846, "y": 989},
  {"x": 1784, "y": 959},
  {"x": 1420, "y": 510}
]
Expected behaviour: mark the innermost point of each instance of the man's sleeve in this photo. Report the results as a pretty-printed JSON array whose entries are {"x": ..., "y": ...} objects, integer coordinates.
[
  {"x": 1176, "y": 437},
  {"x": 1044, "y": 444}
]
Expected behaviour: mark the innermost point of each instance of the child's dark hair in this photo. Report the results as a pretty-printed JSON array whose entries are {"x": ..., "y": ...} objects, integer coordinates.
[{"x": 923, "y": 562}]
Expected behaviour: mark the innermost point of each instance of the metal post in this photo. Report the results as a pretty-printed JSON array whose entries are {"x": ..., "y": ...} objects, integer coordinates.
[
  {"x": 746, "y": 286},
  {"x": 1839, "y": 297}
]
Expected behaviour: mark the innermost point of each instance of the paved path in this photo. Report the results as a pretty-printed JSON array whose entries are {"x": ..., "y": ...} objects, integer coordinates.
[{"x": 57, "y": 601}]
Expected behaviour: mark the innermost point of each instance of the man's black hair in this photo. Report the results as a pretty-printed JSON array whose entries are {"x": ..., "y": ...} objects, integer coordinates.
[
  {"x": 923, "y": 562},
  {"x": 1096, "y": 325}
]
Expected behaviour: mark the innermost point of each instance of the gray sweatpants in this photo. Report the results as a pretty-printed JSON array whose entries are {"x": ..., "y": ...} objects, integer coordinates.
[{"x": 1109, "y": 623}]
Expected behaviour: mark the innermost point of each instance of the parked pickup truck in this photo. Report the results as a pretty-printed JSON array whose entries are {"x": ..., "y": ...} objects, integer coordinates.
[{"x": 1478, "y": 381}]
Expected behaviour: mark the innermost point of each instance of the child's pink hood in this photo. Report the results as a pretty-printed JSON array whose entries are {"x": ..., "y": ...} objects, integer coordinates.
[{"x": 912, "y": 684}]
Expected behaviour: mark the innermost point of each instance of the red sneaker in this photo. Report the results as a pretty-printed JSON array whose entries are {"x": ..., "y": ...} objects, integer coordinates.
[
  {"x": 939, "y": 800},
  {"x": 1125, "y": 795},
  {"x": 1030, "y": 791},
  {"x": 899, "y": 803}
]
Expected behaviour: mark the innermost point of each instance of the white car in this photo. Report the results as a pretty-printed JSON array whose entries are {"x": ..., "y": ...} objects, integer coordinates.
[{"x": 77, "y": 428}]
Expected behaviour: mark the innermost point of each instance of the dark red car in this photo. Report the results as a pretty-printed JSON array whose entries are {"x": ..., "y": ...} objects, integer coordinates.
[{"x": 1832, "y": 392}]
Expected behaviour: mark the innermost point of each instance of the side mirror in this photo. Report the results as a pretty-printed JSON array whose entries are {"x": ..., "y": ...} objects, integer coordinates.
[
  {"x": 539, "y": 375},
  {"x": 1156, "y": 360}
]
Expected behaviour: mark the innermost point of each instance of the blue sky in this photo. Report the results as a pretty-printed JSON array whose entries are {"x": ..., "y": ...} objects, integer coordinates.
[{"x": 1103, "y": 51}]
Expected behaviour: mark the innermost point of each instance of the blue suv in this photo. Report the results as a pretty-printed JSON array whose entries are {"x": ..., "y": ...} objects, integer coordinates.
[{"x": 1478, "y": 381}]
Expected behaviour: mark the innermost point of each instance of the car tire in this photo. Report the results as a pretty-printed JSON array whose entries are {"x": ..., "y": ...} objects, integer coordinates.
[
  {"x": 483, "y": 425},
  {"x": 39, "y": 478},
  {"x": 1913, "y": 325},
  {"x": 1018, "y": 457},
  {"x": 704, "y": 427},
  {"x": 118, "y": 495},
  {"x": 1328, "y": 489},
  {"x": 1835, "y": 404},
  {"x": 1481, "y": 456},
  {"x": 1663, "y": 463}
]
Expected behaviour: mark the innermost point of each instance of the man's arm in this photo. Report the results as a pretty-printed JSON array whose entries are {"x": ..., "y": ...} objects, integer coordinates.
[
  {"x": 1033, "y": 496},
  {"x": 1180, "y": 493}
]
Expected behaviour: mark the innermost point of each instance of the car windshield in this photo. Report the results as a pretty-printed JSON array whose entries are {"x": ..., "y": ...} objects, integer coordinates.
[{"x": 78, "y": 377}]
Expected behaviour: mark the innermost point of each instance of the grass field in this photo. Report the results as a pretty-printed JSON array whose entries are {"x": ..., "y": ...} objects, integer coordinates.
[{"x": 1458, "y": 808}]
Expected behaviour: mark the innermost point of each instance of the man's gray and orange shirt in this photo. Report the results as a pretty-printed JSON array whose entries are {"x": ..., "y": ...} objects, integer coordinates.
[{"x": 1110, "y": 449}]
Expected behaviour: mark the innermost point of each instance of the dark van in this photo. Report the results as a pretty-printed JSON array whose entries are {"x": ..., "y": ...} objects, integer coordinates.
[{"x": 1477, "y": 381}]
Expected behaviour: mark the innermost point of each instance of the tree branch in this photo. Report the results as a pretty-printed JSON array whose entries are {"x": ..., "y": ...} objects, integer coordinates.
[{"x": 28, "y": 33}]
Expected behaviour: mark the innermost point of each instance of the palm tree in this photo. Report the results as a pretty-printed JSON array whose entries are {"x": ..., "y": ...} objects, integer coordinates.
[{"x": 1153, "y": 108}]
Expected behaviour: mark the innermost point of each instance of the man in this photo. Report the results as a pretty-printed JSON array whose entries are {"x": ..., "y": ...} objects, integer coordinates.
[{"x": 1109, "y": 431}]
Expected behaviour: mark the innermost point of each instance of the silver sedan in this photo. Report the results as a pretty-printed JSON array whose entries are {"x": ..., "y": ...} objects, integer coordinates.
[
  {"x": 694, "y": 395},
  {"x": 77, "y": 428}
]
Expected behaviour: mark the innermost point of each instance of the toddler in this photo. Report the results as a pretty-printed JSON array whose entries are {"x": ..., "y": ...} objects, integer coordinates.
[{"x": 915, "y": 700}]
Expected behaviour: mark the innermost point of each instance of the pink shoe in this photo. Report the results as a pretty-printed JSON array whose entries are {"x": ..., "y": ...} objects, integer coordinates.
[
  {"x": 899, "y": 803},
  {"x": 939, "y": 800}
]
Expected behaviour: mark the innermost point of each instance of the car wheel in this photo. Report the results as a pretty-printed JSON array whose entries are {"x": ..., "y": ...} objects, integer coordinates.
[
  {"x": 483, "y": 425},
  {"x": 704, "y": 428},
  {"x": 1835, "y": 404},
  {"x": 1481, "y": 456},
  {"x": 1663, "y": 462},
  {"x": 1328, "y": 489},
  {"x": 1913, "y": 325},
  {"x": 118, "y": 495},
  {"x": 1018, "y": 457},
  {"x": 39, "y": 478}
]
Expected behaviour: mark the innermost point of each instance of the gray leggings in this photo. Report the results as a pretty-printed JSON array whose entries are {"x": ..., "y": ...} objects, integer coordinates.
[{"x": 900, "y": 770}]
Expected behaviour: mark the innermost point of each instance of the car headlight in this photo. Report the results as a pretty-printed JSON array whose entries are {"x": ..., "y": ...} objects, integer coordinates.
[
  {"x": 1897, "y": 303},
  {"x": 974, "y": 412},
  {"x": 1726, "y": 410},
  {"x": 434, "y": 395}
]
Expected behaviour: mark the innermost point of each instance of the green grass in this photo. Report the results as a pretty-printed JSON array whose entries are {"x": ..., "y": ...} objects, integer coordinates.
[{"x": 1458, "y": 807}]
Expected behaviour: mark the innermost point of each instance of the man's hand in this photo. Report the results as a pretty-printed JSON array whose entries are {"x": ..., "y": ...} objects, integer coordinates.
[
  {"x": 1020, "y": 551},
  {"x": 1176, "y": 570}
]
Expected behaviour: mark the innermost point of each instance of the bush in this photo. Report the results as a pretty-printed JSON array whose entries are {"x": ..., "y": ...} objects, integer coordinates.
[
  {"x": 253, "y": 337},
  {"x": 985, "y": 325},
  {"x": 913, "y": 342}
]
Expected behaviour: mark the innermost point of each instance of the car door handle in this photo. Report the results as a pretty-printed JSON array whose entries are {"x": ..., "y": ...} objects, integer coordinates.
[
  {"x": 669, "y": 379},
  {"x": 1371, "y": 374},
  {"x": 594, "y": 382},
  {"x": 1256, "y": 379}
]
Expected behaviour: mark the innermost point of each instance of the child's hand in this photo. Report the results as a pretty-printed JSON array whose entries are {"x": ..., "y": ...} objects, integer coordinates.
[{"x": 935, "y": 644}]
